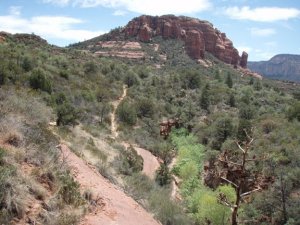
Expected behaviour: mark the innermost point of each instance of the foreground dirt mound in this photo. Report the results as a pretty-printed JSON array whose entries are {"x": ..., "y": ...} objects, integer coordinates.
[{"x": 112, "y": 206}]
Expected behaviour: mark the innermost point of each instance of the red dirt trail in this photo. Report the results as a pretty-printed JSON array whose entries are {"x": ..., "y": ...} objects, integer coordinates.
[{"x": 115, "y": 207}]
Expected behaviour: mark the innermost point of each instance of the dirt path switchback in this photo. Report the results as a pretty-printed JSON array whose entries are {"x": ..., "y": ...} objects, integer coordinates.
[
  {"x": 114, "y": 207},
  {"x": 151, "y": 163}
]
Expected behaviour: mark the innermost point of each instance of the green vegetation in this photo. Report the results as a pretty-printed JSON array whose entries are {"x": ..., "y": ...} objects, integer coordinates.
[{"x": 215, "y": 106}]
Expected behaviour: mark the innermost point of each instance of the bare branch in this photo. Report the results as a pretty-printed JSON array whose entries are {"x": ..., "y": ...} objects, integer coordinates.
[
  {"x": 229, "y": 181},
  {"x": 237, "y": 164},
  {"x": 249, "y": 192},
  {"x": 248, "y": 136},
  {"x": 240, "y": 147}
]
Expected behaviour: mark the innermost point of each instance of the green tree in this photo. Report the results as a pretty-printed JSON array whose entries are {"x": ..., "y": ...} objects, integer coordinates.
[
  {"x": 27, "y": 64},
  {"x": 231, "y": 100},
  {"x": 131, "y": 79},
  {"x": 66, "y": 114},
  {"x": 246, "y": 112},
  {"x": 90, "y": 67},
  {"x": 3, "y": 74},
  {"x": 293, "y": 111},
  {"x": 145, "y": 108},
  {"x": 163, "y": 175},
  {"x": 223, "y": 130},
  {"x": 257, "y": 85},
  {"x": 251, "y": 81},
  {"x": 244, "y": 125},
  {"x": 38, "y": 80},
  {"x": 191, "y": 79},
  {"x": 228, "y": 80},
  {"x": 127, "y": 113},
  {"x": 204, "y": 99}
]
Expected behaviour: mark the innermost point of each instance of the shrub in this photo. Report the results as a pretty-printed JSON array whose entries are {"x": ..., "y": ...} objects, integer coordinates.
[
  {"x": 204, "y": 99},
  {"x": 3, "y": 74},
  {"x": 229, "y": 81},
  {"x": 294, "y": 112},
  {"x": 191, "y": 79},
  {"x": 38, "y": 80},
  {"x": 90, "y": 67},
  {"x": 145, "y": 108},
  {"x": 231, "y": 100},
  {"x": 69, "y": 191},
  {"x": 131, "y": 162},
  {"x": 246, "y": 112},
  {"x": 131, "y": 79},
  {"x": 268, "y": 126},
  {"x": 163, "y": 175},
  {"x": 126, "y": 113},
  {"x": 66, "y": 114},
  {"x": 64, "y": 74},
  {"x": 27, "y": 64}
]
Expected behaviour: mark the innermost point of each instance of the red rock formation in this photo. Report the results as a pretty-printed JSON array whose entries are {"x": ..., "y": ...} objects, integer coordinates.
[
  {"x": 199, "y": 36},
  {"x": 195, "y": 45},
  {"x": 2, "y": 39},
  {"x": 244, "y": 59}
]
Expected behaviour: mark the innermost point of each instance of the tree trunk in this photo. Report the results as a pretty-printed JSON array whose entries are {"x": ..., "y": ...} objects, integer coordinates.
[{"x": 234, "y": 214}]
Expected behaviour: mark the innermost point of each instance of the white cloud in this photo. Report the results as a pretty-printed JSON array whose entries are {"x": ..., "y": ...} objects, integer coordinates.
[
  {"x": 262, "y": 14},
  {"x": 262, "y": 32},
  {"x": 58, "y": 2},
  {"x": 271, "y": 44},
  {"x": 150, "y": 7},
  {"x": 48, "y": 27},
  {"x": 15, "y": 10},
  {"x": 119, "y": 13},
  {"x": 263, "y": 54},
  {"x": 244, "y": 48}
]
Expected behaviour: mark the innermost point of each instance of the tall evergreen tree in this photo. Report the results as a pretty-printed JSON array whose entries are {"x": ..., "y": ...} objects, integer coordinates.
[
  {"x": 204, "y": 99},
  {"x": 229, "y": 81}
]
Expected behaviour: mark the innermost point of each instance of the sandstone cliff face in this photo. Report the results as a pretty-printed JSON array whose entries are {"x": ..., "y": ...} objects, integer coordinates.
[
  {"x": 199, "y": 36},
  {"x": 283, "y": 67}
]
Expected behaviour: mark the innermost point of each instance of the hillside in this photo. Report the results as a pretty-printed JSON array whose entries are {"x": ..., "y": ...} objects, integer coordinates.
[
  {"x": 91, "y": 138},
  {"x": 282, "y": 67}
]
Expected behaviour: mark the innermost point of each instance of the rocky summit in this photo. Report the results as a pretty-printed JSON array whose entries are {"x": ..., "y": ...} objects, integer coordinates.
[{"x": 198, "y": 35}]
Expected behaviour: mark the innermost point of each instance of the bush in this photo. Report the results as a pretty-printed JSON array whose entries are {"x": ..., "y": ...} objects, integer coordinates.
[
  {"x": 66, "y": 114},
  {"x": 27, "y": 64},
  {"x": 131, "y": 79},
  {"x": 69, "y": 191},
  {"x": 191, "y": 79},
  {"x": 90, "y": 67},
  {"x": 3, "y": 74},
  {"x": 145, "y": 108},
  {"x": 163, "y": 175},
  {"x": 130, "y": 162},
  {"x": 246, "y": 112},
  {"x": 38, "y": 80},
  {"x": 294, "y": 112},
  {"x": 229, "y": 81},
  {"x": 126, "y": 113}
]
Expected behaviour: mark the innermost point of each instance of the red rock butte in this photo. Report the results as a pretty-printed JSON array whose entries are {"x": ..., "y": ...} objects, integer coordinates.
[{"x": 198, "y": 35}]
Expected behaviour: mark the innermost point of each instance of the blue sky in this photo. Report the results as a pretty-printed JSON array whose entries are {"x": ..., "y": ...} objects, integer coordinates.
[{"x": 263, "y": 28}]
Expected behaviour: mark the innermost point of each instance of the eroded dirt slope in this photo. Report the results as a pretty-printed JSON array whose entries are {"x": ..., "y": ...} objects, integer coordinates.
[{"x": 113, "y": 207}]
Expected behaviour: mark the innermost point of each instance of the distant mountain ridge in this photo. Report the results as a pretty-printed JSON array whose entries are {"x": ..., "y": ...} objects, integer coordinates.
[{"x": 282, "y": 67}]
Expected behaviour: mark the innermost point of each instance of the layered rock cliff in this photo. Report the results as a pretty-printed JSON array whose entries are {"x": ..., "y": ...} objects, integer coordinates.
[
  {"x": 198, "y": 35},
  {"x": 283, "y": 67}
]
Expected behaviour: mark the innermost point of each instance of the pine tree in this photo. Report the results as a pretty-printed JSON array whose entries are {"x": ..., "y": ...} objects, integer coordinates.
[
  {"x": 204, "y": 99},
  {"x": 229, "y": 81}
]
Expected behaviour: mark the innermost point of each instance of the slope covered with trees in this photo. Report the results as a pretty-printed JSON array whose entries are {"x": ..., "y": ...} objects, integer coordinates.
[{"x": 215, "y": 106}]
